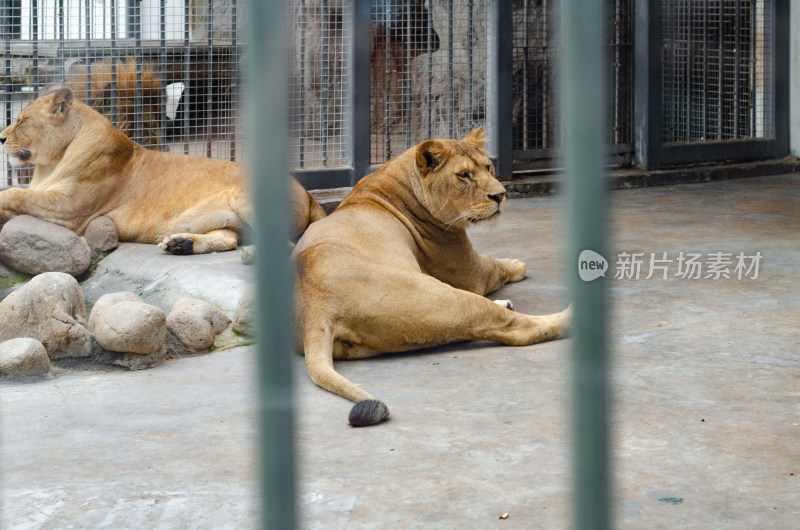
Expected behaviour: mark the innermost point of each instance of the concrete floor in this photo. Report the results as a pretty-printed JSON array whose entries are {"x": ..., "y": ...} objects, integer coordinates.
[{"x": 706, "y": 415}]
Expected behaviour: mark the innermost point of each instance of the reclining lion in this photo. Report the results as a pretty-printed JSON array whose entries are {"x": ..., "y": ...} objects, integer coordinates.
[
  {"x": 392, "y": 268},
  {"x": 86, "y": 168}
]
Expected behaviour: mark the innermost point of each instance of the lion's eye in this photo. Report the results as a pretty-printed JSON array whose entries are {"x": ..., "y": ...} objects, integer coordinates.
[{"x": 464, "y": 175}]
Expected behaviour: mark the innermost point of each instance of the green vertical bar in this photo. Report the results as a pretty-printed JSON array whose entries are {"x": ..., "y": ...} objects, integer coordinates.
[
  {"x": 267, "y": 146},
  {"x": 584, "y": 121}
]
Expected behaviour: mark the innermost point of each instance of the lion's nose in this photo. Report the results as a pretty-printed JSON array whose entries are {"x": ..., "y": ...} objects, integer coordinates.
[
  {"x": 498, "y": 197},
  {"x": 2, "y": 139}
]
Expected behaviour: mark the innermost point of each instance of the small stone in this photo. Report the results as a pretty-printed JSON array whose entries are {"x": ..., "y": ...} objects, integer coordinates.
[
  {"x": 101, "y": 235},
  {"x": 23, "y": 357},
  {"x": 107, "y": 300},
  {"x": 5, "y": 273},
  {"x": 192, "y": 331},
  {"x": 129, "y": 361},
  {"x": 131, "y": 327},
  {"x": 219, "y": 321},
  {"x": 195, "y": 323},
  {"x": 245, "y": 313}
]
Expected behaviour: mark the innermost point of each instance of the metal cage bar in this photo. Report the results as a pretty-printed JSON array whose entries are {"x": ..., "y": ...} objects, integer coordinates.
[
  {"x": 583, "y": 114},
  {"x": 266, "y": 89}
]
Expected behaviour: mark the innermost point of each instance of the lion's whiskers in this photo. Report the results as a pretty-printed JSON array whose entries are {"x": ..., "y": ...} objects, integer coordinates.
[{"x": 463, "y": 215}]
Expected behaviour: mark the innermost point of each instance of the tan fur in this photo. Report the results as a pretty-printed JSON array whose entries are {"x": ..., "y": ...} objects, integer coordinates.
[
  {"x": 392, "y": 269},
  {"x": 86, "y": 168}
]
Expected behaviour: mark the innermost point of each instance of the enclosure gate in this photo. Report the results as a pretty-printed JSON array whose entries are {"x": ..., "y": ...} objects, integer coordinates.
[
  {"x": 535, "y": 120},
  {"x": 370, "y": 78},
  {"x": 711, "y": 81}
]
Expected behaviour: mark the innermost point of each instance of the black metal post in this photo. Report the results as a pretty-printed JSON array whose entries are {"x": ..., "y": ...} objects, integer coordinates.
[
  {"x": 647, "y": 84},
  {"x": 499, "y": 93},
  {"x": 359, "y": 90}
]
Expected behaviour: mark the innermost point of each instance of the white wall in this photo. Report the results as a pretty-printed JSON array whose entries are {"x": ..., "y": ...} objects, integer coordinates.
[{"x": 794, "y": 77}]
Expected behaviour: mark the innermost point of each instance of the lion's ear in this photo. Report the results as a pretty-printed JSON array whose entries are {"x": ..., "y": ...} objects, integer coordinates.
[
  {"x": 430, "y": 155},
  {"x": 62, "y": 101},
  {"x": 477, "y": 137}
]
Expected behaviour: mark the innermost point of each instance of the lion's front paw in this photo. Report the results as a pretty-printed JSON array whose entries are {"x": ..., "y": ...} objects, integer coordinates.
[
  {"x": 515, "y": 269},
  {"x": 504, "y": 303},
  {"x": 177, "y": 245}
]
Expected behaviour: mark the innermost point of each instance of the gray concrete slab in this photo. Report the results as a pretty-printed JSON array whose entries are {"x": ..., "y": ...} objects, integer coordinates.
[
  {"x": 706, "y": 424},
  {"x": 219, "y": 278}
]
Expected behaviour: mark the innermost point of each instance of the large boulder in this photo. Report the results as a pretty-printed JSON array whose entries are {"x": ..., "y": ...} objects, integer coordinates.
[
  {"x": 23, "y": 357},
  {"x": 50, "y": 308},
  {"x": 33, "y": 246},
  {"x": 130, "y": 327}
]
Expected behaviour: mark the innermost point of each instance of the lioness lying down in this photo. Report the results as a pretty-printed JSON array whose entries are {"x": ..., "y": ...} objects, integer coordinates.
[
  {"x": 392, "y": 268},
  {"x": 86, "y": 168}
]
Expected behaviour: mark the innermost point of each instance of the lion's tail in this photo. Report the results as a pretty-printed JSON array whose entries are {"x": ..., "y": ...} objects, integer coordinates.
[{"x": 318, "y": 349}]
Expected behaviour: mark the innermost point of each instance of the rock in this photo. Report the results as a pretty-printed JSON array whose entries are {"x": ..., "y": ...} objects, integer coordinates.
[
  {"x": 175, "y": 348},
  {"x": 23, "y": 357},
  {"x": 50, "y": 308},
  {"x": 9, "y": 279},
  {"x": 33, "y": 246},
  {"x": 5, "y": 272},
  {"x": 192, "y": 331},
  {"x": 131, "y": 327},
  {"x": 219, "y": 321},
  {"x": 195, "y": 323},
  {"x": 101, "y": 235},
  {"x": 107, "y": 300},
  {"x": 131, "y": 361},
  {"x": 244, "y": 318}
]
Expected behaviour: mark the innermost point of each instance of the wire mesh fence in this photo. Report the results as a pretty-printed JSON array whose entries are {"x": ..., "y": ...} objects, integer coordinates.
[
  {"x": 535, "y": 83},
  {"x": 716, "y": 61},
  {"x": 319, "y": 83},
  {"x": 427, "y": 72},
  {"x": 535, "y": 80},
  {"x": 165, "y": 72},
  {"x": 427, "y": 76}
]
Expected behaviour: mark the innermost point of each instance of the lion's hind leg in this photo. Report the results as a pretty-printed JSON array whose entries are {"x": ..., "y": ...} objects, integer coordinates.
[
  {"x": 318, "y": 350},
  {"x": 212, "y": 225},
  {"x": 213, "y": 241}
]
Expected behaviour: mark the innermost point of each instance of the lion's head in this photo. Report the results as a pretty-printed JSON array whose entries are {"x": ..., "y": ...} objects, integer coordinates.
[
  {"x": 41, "y": 132},
  {"x": 458, "y": 180}
]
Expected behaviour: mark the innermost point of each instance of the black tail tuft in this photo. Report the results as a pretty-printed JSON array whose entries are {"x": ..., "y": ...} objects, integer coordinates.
[{"x": 368, "y": 412}]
